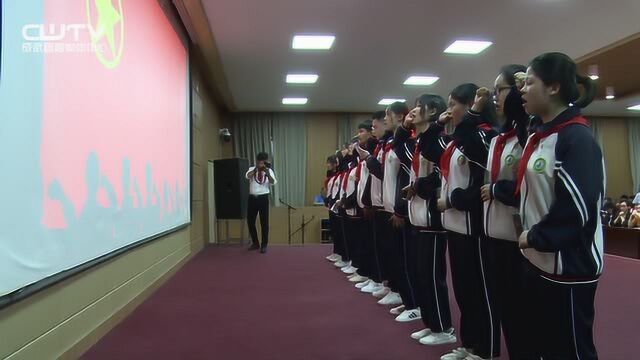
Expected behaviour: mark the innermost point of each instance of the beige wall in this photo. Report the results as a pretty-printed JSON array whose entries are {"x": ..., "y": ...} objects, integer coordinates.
[
  {"x": 615, "y": 140},
  {"x": 322, "y": 141},
  {"x": 66, "y": 319},
  {"x": 322, "y": 135}
]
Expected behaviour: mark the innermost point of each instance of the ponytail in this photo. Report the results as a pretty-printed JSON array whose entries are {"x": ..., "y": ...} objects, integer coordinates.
[
  {"x": 559, "y": 68},
  {"x": 589, "y": 91}
]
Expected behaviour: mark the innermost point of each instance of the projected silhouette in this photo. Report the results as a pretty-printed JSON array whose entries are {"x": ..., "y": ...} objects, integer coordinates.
[{"x": 110, "y": 222}]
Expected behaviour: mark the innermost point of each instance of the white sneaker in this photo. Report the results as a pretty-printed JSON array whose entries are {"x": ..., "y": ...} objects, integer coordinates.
[
  {"x": 360, "y": 285},
  {"x": 372, "y": 287},
  {"x": 420, "y": 334},
  {"x": 349, "y": 269},
  {"x": 409, "y": 315},
  {"x": 456, "y": 354},
  {"x": 397, "y": 310},
  {"x": 381, "y": 293},
  {"x": 392, "y": 298},
  {"x": 445, "y": 337},
  {"x": 333, "y": 257},
  {"x": 340, "y": 264},
  {"x": 358, "y": 278},
  {"x": 474, "y": 357}
]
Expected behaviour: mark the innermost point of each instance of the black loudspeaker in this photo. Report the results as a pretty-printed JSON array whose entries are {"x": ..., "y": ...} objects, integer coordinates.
[{"x": 231, "y": 188}]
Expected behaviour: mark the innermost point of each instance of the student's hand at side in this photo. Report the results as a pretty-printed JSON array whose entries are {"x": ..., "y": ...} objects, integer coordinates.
[
  {"x": 442, "y": 204},
  {"x": 397, "y": 221},
  {"x": 409, "y": 191},
  {"x": 523, "y": 243},
  {"x": 485, "y": 192}
]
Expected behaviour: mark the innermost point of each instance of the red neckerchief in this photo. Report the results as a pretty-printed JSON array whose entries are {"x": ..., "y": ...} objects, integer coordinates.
[
  {"x": 387, "y": 147},
  {"x": 445, "y": 159},
  {"x": 415, "y": 163},
  {"x": 533, "y": 142},
  {"x": 377, "y": 150},
  {"x": 359, "y": 170},
  {"x": 260, "y": 177},
  {"x": 485, "y": 127},
  {"x": 345, "y": 178},
  {"x": 501, "y": 142}
]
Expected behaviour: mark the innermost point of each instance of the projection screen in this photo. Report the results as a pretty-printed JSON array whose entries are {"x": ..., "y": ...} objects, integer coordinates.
[{"x": 94, "y": 133}]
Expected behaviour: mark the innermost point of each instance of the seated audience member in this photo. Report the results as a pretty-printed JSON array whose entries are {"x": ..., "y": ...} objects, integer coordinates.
[
  {"x": 607, "y": 211},
  {"x": 634, "y": 219},
  {"x": 622, "y": 219}
]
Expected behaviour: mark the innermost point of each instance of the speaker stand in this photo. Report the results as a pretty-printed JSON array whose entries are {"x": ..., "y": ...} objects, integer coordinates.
[{"x": 229, "y": 240}]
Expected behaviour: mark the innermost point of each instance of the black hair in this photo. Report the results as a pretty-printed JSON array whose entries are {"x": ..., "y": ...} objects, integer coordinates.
[
  {"x": 430, "y": 101},
  {"x": 365, "y": 125},
  {"x": 466, "y": 94},
  {"x": 399, "y": 107},
  {"x": 555, "y": 67},
  {"x": 262, "y": 156},
  {"x": 332, "y": 159},
  {"x": 508, "y": 72},
  {"x": 378, "y": 115}
]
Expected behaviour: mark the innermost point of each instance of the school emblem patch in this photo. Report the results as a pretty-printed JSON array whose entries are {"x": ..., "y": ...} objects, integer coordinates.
[
  {"x": 462, "y": 160},
  {"x": 509, "y": 160},
  {"x": 540, "y": 165}
]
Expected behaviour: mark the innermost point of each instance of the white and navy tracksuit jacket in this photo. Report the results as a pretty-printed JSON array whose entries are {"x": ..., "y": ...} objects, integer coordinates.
[
  {"x": 425, "y": 176},
  {"x": 561, "y": 193},
  {"x": 375, "y": 167},
  {"x": 463, "y": 167},
  {"x": 504, "y": 154},
  {"x": 350, "y": 189},
  {"x": 336, "y": 190}
]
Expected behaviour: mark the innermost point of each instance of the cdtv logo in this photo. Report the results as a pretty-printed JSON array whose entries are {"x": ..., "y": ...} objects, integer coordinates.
[
  {"x": 105, "y": 25},
  {"x": 38, "y": 32}
]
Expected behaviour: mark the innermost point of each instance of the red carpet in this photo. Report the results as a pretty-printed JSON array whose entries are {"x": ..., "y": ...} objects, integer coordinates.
[{"x": 228, "y": 303}]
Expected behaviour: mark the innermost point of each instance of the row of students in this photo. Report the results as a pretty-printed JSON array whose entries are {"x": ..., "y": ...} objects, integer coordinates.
[{"x": 517, "y": 204}]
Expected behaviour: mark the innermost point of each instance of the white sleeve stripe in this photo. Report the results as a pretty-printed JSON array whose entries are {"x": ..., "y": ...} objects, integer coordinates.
[
  {"x": 407, "y": 152},
  {"x": 573, "y": 196},
  {"x": 578, "y": 194}
]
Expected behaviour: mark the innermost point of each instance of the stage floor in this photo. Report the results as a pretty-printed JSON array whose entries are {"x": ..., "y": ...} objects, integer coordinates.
[{"x": 228, "y": 303}]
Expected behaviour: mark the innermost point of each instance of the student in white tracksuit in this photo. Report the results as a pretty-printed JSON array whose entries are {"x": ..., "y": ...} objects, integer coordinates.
[
  {"x": 430, "y": 237},
  {"x": 462, "y": 164},
  {"x": 561, "y": 186},
  {"x": 394, "y": 244},
  {"x": 505, "y": 270}
]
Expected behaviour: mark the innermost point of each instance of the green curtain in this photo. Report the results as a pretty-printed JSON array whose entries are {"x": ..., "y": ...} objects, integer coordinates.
[
  {"x": 283, "y": 136},
  {"x": 344, "y": 130},
  {"x": 290, "y": 156}
]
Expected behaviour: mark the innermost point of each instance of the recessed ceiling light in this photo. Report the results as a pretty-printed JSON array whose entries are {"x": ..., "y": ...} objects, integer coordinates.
[
  {"x": 312, "y": 42},
  {"x": 467, "y": 47},
  {"x": 302, "y": 78},
  {"x": 610, "y": 93},
  {"x": 634, "y": 107},
  {"x": 593, "y": 72},
  {"x": 389, "y": 101},
  {"x": 294, "y": 101},
  {"x": 421, "y": 80}
]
